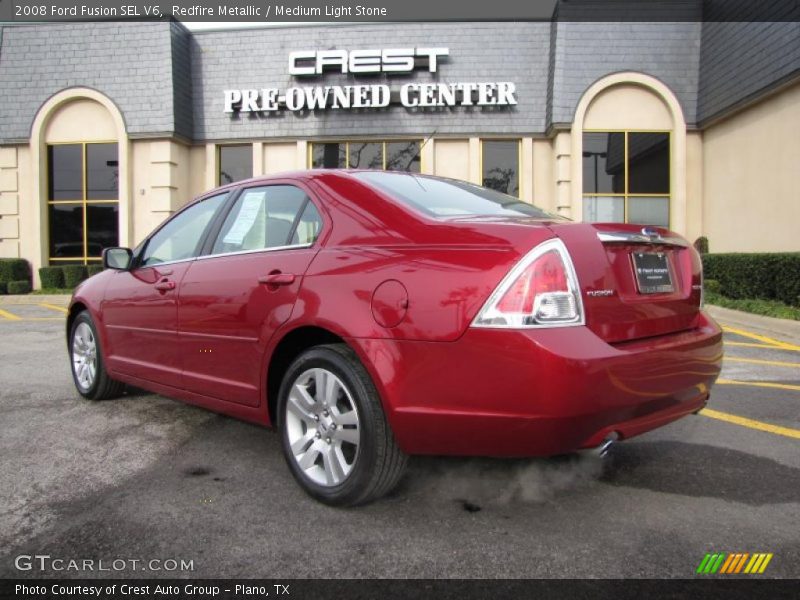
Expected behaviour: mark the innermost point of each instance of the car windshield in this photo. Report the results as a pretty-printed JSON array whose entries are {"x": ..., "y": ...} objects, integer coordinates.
[{"x": 443, "y": 198}]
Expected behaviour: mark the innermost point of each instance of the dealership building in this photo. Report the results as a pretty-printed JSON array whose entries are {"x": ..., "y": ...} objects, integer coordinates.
[{"x": 107, "y": 128}]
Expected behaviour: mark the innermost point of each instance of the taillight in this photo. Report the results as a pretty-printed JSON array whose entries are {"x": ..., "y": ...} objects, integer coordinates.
[{"x": 540, "y": 291}]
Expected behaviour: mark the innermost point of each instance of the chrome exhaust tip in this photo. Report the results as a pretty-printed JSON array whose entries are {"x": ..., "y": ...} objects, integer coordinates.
[{"x": 605, "y": 446}]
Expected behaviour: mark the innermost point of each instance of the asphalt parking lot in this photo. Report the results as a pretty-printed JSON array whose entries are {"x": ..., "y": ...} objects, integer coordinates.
[{"x": 144, "y": 478}]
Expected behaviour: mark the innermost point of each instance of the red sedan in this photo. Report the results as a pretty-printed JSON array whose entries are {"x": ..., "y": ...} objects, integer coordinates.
[{"x": 371, "y": 315}]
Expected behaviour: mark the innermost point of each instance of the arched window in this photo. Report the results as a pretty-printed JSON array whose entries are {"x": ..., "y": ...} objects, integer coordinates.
[
  {"x": 629, "y": 153},
  {"x": 80, "y": 145}
]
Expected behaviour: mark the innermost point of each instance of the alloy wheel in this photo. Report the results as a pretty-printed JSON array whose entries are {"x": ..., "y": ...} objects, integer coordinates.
[
  {"x": 84, "y": 356},
  {"x": 322, "y": 426}
]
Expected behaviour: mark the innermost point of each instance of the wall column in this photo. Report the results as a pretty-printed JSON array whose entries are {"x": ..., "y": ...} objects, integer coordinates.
[
  {"x": 9, "y": 203},
  {"x": 426, "y": 157},
  {"x": 564, "y": 176},
  {"x": 302, "y": 155},
  {"x": 475, "y": 170},
  {"x": 526, "y": 164},
  {"x": 211, "y": 166}
]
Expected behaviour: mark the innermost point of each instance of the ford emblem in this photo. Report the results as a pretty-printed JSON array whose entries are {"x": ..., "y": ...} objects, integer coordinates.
[{"x": 651, "y": 232}]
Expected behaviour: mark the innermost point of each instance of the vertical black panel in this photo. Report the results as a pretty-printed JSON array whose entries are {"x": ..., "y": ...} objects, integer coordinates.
[
  {"x": 65, "y": 172},
  {"x": 235, "y": 163},
  {"x": 501, "y": 166},
  {"x": 102, "y": 172}
]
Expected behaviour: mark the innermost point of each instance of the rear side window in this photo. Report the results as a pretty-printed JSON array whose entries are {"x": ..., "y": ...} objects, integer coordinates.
[
  {"x": 180, "y": 237},
  {"x": 265, "y": 217},
  {"x": 309, "y": 225},
  {"x": 438, "y": 197}
]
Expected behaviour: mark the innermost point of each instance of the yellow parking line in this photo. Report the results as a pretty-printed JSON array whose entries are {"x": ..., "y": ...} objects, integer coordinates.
[
  {"x": 761, "y": 338},
  {"x": 9, "y": 316},
  {"x": 751, "y": 424},
  {"x": 764, "y": 384},
  {"x": 54, "y": 307},
  {"x": 43, "y": 319},
  {"x": 758, "y": 361},
  {"x": 752, "y": 345}
]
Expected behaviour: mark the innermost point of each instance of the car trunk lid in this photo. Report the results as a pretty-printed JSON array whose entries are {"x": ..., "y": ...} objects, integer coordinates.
[{"x": 635, "y": 282}]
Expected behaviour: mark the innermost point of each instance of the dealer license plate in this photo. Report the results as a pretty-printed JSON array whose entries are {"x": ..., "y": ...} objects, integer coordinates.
[{"x": 652, "y": 273}]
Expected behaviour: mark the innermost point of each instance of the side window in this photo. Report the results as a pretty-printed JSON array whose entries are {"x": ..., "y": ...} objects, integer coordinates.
[
  {"x": 180, "y": 237},
  {"x": 267, "y": 217},
  {"x": 309, "y": 226}
]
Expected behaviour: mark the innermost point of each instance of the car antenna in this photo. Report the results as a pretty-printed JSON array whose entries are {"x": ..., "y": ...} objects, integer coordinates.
[{"x": 421, "y": 146}]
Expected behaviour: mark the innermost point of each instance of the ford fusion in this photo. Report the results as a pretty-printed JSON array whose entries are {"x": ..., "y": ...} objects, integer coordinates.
[{"x": 373, "y": 315}]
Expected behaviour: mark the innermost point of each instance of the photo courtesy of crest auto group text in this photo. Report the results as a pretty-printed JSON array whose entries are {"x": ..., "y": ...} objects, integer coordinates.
[{"x": 399, "y": 300}]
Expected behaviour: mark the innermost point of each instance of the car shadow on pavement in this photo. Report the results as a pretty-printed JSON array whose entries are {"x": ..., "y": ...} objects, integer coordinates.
[{"x": 701, "y": 470}]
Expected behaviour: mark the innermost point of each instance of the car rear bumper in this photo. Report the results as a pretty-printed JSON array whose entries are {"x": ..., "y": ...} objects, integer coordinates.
[{"x": 538, "y": 392}]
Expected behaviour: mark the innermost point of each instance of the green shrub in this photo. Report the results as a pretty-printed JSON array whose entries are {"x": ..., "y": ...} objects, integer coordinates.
[
  {"x": 52, "y": 277},
  {"x": 3, "y": 288},
  {"x": 757, "y": 306},
  {"x": 19, "y": 287},
  {"x": 14, "y": 269},
  {"x": 701, "y": 245},
  {"x": 769, "y": 276},
  {"x": 73, "y": 275},
  {"x": 712, "y": 286},
  {"x": 94, "y": 269}
]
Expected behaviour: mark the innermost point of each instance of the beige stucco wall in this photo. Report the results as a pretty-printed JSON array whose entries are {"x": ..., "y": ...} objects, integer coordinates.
[
  {"x": 626, "y": 106},
  {"x": 279, "y": 157},
  {"x": 166, "y": 175},
  {"x": 562, "y": 175},
  {"x": 80, "y": 120},
  {"x": 197, "y": 171},
  {"x": 694, "y": 185},
  {"x": 542, "y": 175},
  {"x": 751, "y": 178},
  {"x": 451, "y": 158}
]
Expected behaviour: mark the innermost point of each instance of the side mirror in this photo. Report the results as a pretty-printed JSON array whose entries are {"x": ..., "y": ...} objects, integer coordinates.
[{"x": 119, "y": 259}]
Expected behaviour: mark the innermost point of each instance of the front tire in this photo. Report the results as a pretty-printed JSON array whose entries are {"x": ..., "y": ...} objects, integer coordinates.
[
  {"x": 86, "y": 359},
  {"x": 334, "y": 433}
]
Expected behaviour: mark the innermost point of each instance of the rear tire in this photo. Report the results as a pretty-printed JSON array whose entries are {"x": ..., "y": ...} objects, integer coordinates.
[
  {"x": 86, "y": 359},
  {"x": 335, "y": 437}
]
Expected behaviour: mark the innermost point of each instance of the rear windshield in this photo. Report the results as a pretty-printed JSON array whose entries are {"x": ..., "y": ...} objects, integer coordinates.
[{"x": 438, "y": 197}]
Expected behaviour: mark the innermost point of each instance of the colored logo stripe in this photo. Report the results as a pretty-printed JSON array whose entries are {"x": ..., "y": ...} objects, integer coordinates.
[{"x": 734, "y": 562}]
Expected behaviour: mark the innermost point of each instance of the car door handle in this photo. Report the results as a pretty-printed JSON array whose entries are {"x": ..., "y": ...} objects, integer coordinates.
[
  {"x": 277, "y": 279},
  {"x": 165, "y": 285}
]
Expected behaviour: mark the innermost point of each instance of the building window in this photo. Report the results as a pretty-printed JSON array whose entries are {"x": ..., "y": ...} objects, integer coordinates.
[
  {"x": 235, "y": 163},
  {"x": 500, "y": 165},
  {"x": 389, "y": 156},
  {"x": 83, "y": 201},
  {"x": 626, "y": 177}
]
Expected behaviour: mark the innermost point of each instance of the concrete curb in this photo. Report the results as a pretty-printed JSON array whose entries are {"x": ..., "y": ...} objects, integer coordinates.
[
  {"x": 780, "y": 329},
  {"x": 57, "y": 299}
]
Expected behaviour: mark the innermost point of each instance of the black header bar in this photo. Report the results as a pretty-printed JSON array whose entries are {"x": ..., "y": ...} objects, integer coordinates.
[
  {"x": 347, "y": 11},
  {"x": 393, "y": 589}
]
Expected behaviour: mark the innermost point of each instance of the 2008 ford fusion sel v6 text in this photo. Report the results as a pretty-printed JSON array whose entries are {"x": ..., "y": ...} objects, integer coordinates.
[{"x": 373, "y": 315}]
